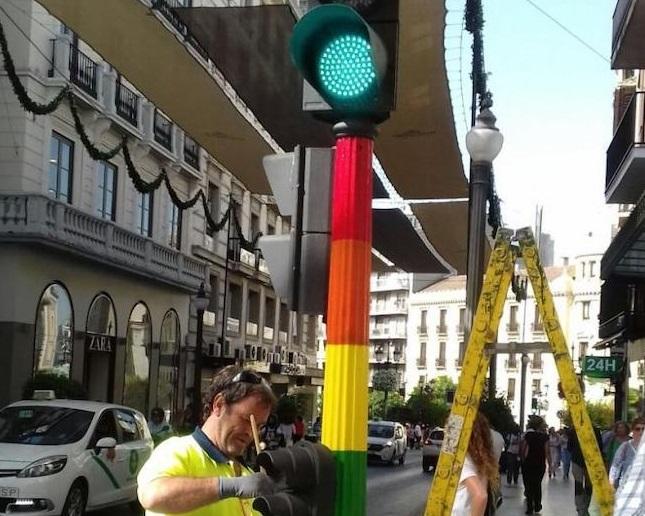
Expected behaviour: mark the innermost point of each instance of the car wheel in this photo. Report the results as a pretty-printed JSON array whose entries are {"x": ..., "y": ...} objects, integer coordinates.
[
  {"x": 76, "y": 500},
  {"x": 426, "y": 464},
  {"x": 402, "y": 459}
]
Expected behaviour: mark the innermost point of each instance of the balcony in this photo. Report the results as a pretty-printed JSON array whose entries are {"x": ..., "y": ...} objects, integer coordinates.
[
  {"x": 422, "y": 329},
  {"x": 390, "y": 283},
  {"x": 42, "y": 220},
  {"x": 537, "y": 327},
  {"x": 460, "y": 329},
  {"x": 628, "y": 28},
  {"x": 191, "y": 152},
  {"x": 127, "y": 104},
  {"x": 537, "y": 366},
  {"x": 442, "y": 329},
  {"x": 163, "y": 130},
  {"x": 396, "y": 307},
  {"x": 459, "y": 362},
  {"x": 83, "y": 71},
  {"x": 511, "y": 364},
  {"x": 422, "y": 363},
  {"x": 625, "y": 174},
  {"x": 385, "y": 332},
  {"x": 440, "y": 363},
  {"x": 512, "y": 327}
]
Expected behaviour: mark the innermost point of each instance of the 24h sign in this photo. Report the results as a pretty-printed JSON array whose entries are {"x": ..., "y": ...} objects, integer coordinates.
[{"x": 602, "y": 367}]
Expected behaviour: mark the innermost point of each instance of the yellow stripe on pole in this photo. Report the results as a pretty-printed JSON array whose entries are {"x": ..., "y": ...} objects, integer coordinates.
[{"x": 346, "y": 375}]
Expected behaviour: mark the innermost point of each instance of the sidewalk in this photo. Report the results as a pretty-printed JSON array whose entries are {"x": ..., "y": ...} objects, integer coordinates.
[{"x": 557, "y": 497}]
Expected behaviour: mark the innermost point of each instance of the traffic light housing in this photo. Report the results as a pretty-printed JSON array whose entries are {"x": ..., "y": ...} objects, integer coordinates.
[
  {"x": 348, "y": 59},
  {"x": 299, "y": 261},
  {"x": 308, "y": 472}
]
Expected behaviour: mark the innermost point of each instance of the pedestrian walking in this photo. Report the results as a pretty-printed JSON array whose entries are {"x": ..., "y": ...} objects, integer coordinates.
[
  {"x": 418, "y": 434},
  {"x": 286, "y": 429},
  {"x": 565, "y": 454},
  {"x": 619, "y": 436},
  {"x": 583, "y": 488},
  {"x": 513, "y": 456},
  {"x": 201, "y": 473},
  {"x": 630, "y": 497},
  {"x": 410, "y": 434},
  {"x": 534, "y": 450},
  {"x": 554, "y": 452},
  {"x": 625, "y": 454},
  {"x": 479, "y": 472}
]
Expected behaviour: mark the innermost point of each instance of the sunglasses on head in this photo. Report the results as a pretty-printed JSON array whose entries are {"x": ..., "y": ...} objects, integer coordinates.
[{"x": 246, "y": 377}]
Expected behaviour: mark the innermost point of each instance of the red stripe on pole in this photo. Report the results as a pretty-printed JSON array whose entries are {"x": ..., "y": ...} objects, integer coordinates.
[{"x": 352, "y": 191}]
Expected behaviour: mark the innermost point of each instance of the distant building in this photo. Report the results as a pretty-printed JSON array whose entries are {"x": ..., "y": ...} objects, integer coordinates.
[{"x": 436, "y": 339}]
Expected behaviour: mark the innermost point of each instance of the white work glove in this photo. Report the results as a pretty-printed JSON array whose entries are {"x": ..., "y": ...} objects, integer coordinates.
[{"x": 250, "y": 486}]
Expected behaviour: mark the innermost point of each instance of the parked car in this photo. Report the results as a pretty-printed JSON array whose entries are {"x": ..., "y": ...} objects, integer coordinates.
[
  {"x": 386, "y": 441},
  {"x": 66, "y": 456},
  {"x": 431, "y": 449}
]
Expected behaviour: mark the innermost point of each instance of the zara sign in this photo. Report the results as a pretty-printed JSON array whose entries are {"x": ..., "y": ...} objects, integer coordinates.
[{"x": 100, "y": 343}]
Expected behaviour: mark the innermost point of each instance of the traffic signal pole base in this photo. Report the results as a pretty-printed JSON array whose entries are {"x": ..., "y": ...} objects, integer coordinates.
[{"x": 346, "y": 362}]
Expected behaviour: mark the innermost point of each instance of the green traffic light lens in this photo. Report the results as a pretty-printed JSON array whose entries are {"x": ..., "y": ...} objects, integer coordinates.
[{"x": 346, "y": 67}]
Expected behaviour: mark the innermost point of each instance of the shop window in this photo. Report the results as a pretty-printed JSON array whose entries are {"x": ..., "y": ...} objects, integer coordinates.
[
  {"x": 168, "y": 377},
  {"x": 53, "y": 343},
  {"x": 100, "y": 348},
  {"x": 137, "y": 358}
]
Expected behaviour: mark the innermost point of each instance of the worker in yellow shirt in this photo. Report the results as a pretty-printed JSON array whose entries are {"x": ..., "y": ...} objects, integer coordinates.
[{"x": 202, "y": 474}]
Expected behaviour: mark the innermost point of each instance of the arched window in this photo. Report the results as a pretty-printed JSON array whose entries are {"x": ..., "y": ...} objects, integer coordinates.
[
  {"x": 54, "y": 331},
  {"x": 101, "y": 318},
  {"x": 167, "y": 380},
  {"x": 137, "y": 358}
]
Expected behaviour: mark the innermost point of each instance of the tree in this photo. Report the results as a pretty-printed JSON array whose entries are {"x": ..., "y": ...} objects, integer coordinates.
[
  {"x": 600, "y": 413},
  {"x": 385, "y": 380},
  {"x": 375, "y": 405},
  {"x": 427, "y": 406},
  {"x": 62, "y": 386}
]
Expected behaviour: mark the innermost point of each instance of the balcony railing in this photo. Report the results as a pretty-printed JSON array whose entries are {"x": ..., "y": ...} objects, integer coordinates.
[
  {"x": 166, "y": 7},
  {"x": 629, "y": 134},
  {"x": 537, "y": 365},
  {"x": 459, "y": 362},
  {"x": 421, "y": 363},
  {"x": 440, "y": 363},
  {"x": 460, "y": 328},
  {"x": 442, "y": 329},
  {"x": 511, "y": 365},
  {"x": 163, "y": 130},
  {"x": 512, "y": 327},
  {"x": 127, "y": 104},
  {"x": 82, "y": 71},
  {"x": 422, "y": 330},
  {"x": 47, "y": 221},
  {"x": 191, "y": 152},
  {"x": 537, "y": 327}
]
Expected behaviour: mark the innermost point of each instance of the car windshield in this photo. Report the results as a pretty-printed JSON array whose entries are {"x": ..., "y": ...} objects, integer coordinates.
[
  {"x": 46, "y": 425},
  {"x": 380, "y": 431}
]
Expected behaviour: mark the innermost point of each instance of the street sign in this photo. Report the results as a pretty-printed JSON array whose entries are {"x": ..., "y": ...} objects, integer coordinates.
[{"x": 602, "y": 367}]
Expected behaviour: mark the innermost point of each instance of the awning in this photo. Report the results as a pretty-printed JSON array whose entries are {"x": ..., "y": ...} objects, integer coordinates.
[
  {"x": 625, "y": 256},
  {"x": 611, "y": 341},
  {"x": 417, "y": 146}
]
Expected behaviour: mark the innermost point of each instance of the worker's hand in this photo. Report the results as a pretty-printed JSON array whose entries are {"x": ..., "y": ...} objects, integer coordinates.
[{"x": 251, "y": 486}]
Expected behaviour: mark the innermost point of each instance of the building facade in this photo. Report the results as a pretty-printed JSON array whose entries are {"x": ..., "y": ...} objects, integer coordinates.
[
  {"x": 97, "y": 276},
  {"x": 436, "y": 343},
  {"x": 388, "y": 327}
]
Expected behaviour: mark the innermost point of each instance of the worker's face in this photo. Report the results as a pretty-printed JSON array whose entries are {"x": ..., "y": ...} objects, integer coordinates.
[{"x": 233, "y": 429}]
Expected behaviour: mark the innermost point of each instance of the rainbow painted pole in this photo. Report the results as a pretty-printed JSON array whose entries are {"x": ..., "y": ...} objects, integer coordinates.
[{"x": 344, "y": 428}]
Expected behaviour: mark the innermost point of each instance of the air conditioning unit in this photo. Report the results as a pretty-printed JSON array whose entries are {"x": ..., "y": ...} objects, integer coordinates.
[
  {"x": 254, "y": 352},
  {"x": 262, "y": 354}
]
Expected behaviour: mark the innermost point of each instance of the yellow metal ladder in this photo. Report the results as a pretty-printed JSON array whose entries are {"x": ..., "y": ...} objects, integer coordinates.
[{"x": 475, "y": 365}]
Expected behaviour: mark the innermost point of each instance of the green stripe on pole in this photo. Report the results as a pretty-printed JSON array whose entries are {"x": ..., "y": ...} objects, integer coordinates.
[
  {"x": 351, "y": 482},
  {"x": 107, "y": 471}
]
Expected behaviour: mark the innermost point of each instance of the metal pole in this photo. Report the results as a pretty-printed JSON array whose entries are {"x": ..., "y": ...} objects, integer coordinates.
[
  {"x": 197, "y": 376},
  {"x": 228, "y": 243},
  {"x": 346, "y": 356},
  {"x": 478, "y": 194},
  {"x": 525, "y": 361}
]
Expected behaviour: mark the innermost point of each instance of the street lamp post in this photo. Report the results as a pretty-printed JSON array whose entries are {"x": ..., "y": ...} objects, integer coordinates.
[
  {"x": 379, "y": 357},
  {"x": 199, "y": 302},
  {"x": 525, "y": 363},
  {"x": 483, "y": 142}
]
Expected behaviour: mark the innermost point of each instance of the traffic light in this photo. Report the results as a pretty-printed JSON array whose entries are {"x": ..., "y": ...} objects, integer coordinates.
[
  {"x": 308, "y": 471},
  {"x": 346, "y": 51},
  {"x": 299, "y": 261}
]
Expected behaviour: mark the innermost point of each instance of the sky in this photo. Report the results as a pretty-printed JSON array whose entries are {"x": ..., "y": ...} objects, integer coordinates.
[{"x": 553, "y": 102}]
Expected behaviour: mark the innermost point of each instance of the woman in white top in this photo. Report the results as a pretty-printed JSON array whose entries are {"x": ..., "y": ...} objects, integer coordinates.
[
  {"x": 480, "y": 470},
  {"x": 625, "y": 454}
]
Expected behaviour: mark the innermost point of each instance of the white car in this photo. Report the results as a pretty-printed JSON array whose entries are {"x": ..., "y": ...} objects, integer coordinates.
[
  {"x": 386, "y": 441},
  {"x": 66, "y": 456},
  {"x": 431, "y": 449}
]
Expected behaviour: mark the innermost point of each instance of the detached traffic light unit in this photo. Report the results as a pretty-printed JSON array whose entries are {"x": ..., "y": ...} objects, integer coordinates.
[{"x": 309, "y": 474}]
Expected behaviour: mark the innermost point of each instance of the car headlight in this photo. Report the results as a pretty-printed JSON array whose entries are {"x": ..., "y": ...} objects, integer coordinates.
[
  {"x": 43, "y": 467},
  {"x": 389, "y": 443}
]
